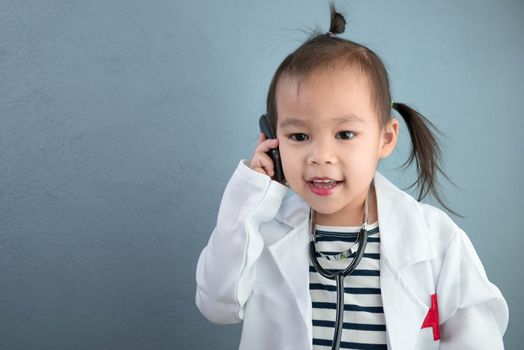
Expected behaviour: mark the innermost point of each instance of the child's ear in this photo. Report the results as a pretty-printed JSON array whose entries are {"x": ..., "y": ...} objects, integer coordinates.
[{"x": 389, "y": 137}]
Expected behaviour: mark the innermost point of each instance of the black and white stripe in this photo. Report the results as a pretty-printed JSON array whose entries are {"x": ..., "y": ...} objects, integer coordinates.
[{"x": 364, "y": 325}]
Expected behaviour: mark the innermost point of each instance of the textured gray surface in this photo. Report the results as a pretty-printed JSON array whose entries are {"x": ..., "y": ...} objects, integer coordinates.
[{"x": 121, "y": 121}]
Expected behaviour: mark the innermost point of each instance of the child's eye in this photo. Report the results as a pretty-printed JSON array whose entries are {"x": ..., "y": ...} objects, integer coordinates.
[
  {"x": 346, "y": 135},
  {"x": 299, "y": 137}
]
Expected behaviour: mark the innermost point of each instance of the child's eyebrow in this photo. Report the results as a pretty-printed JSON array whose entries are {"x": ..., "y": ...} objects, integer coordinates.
[
  {"x": 290, "y": 122},
  {"x": 349, "y": 118}
]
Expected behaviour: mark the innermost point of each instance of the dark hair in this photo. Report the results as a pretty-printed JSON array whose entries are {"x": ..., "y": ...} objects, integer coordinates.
[{"x": 321, "y": 52}]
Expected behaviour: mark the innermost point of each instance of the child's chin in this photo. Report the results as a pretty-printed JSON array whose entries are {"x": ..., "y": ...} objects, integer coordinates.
[{"x": 324, "y": 209}]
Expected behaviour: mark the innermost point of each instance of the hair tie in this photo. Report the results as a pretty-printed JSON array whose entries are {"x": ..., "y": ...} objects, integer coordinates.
[{"x": 328, "y": 33}]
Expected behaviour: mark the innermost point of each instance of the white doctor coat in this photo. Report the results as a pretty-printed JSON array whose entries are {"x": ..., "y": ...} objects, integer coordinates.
[{"x": 255, "y": 269}]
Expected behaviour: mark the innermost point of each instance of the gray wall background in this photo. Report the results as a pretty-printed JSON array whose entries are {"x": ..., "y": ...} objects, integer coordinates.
[{"x": 121, "y": 122}]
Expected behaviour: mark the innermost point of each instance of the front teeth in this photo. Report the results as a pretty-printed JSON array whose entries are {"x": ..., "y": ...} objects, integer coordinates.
[{"x": 324, "y": 183}]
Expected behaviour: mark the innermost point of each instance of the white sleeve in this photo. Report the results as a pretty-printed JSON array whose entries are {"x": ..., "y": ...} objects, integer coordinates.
[
  {"x": 225, "y": 271},
  {"x": 474, "y": 314}
]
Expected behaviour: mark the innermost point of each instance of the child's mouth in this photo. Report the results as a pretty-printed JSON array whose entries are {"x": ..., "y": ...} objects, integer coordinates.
[{"x": 323, "y": 187}]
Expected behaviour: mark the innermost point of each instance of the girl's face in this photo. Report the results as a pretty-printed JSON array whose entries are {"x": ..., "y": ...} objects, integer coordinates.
[{"x": 330, "y": 141}]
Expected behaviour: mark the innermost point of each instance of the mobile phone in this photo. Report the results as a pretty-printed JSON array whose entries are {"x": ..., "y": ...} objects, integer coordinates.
[{"x": 265, "y": 127}]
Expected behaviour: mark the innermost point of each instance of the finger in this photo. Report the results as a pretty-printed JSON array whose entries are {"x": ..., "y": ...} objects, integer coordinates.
[
  {"x": 267, "y": 145},
  {"x": 269, "y": 173},
  {"x": 263, "y": 164},
  {"x": 261, "y": 138}
]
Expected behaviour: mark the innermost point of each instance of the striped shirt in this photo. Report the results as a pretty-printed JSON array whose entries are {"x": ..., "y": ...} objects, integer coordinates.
[{"x": 364, "y": 324}]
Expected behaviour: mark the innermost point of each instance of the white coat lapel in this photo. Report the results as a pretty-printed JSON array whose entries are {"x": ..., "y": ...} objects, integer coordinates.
[
  {"x": 403, "y": 311},
  {"x": 406, "y": 286},
  {"x": 292, "y": 258}
]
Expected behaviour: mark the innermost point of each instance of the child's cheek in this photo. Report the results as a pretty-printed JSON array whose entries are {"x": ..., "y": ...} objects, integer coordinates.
[{"x": 288, "y": 164}]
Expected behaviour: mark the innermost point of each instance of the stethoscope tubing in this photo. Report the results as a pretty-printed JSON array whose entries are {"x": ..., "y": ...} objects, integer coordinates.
[
  {"x": 339, "y": 280},
  {"x": 362, "y": 240}
]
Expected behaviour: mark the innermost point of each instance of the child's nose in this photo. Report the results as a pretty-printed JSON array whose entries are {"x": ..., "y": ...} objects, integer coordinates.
[{"x": 321, "y": 153}]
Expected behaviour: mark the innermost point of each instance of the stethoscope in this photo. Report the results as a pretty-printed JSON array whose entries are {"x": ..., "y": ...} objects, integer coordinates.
[{"x": 360, "y": 245}]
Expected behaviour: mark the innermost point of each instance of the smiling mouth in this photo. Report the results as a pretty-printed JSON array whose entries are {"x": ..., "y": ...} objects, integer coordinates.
[
  {"x": 324, "y": 183},
  {"x": 322, "y": 186}
]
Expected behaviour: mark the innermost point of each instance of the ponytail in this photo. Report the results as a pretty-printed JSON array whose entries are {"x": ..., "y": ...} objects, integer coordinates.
[{"x": 425, "y": 151}]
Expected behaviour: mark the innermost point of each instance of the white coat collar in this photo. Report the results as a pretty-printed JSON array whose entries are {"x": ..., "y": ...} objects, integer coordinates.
[{"x": 404, "y": 242}]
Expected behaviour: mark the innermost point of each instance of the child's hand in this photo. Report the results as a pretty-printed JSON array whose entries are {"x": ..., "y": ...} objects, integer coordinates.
[{"x": 261, "y": 162}]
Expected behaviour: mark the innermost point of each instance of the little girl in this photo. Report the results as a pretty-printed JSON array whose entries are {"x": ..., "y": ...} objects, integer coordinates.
[{"x": 276, "y": 263}]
